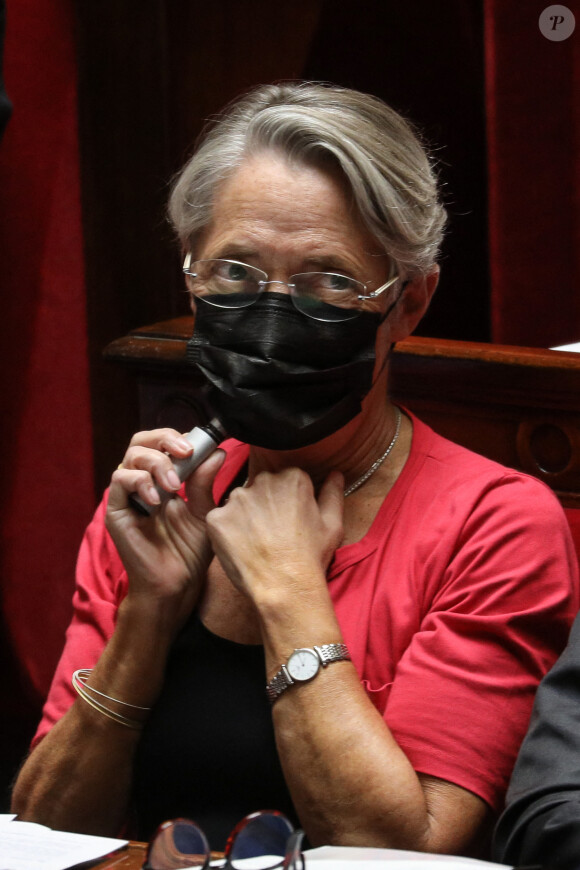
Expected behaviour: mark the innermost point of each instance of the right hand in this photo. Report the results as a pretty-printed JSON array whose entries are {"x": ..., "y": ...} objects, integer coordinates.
[{"x": 166, "y": 555}]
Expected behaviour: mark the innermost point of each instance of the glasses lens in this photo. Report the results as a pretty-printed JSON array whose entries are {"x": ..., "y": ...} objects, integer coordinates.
[
  {"x": 262, "y": 836},
  {"x": 225, "y": 283},
  {"x": 178, "y": 844},
  {"x": 327, "y": 296}
]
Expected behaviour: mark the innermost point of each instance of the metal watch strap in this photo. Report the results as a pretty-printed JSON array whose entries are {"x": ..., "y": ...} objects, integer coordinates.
[{"x": 327, "y": 653}]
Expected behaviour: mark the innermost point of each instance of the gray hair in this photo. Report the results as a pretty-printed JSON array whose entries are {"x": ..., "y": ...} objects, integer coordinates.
[{"x": 380, "y": 155}]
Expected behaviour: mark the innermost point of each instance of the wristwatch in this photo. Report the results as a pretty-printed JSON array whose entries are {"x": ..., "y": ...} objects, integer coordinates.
[{"x": 303, "y": 665}]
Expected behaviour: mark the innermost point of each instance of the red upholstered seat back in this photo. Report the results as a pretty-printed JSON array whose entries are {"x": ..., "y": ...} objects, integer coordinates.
[{"x": 573, "y": 517}]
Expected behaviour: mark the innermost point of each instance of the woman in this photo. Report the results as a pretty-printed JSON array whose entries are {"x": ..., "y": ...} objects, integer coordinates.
[{"x": 310, "y": 223}]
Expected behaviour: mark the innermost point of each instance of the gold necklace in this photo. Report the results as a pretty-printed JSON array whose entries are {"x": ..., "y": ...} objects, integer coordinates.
[{"x": 378, "y": 462}]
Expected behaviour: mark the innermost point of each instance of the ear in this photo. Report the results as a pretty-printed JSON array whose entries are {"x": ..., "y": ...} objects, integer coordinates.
[
  {"x": 191, "y": 296},
  {"x": 412, "y": 305}
]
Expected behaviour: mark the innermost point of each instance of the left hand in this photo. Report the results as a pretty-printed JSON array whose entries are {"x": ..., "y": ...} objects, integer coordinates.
[{"x": 277, "y": 535}]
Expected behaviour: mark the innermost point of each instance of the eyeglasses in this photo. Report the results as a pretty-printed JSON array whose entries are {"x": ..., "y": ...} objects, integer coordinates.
[
  {"x": 267, "y": 837},
  {"x": 319, "y": 295}
]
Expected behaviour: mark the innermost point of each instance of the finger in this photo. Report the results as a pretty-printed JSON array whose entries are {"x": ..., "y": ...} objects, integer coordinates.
[
  {"x": 159, "y": 465},
  {"x": 331, "y": 497},
  {"x": 169, "y": 440},
  {"x": 199, "y": 487},
  {"x": 127, "y": 481}
]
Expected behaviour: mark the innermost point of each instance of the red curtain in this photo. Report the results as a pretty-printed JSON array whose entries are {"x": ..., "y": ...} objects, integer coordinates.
[
  {"x": 46, "y": 433},
  {"x": 533, "y": 118}
]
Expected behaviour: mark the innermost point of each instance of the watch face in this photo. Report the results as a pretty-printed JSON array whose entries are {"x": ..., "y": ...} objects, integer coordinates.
[{"x": 303, "y": 664}]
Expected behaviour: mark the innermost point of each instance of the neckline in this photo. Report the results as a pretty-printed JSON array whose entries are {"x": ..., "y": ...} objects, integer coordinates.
[
  {"x": 220, "y": 639},
  {"x": 348, "y": 554}
]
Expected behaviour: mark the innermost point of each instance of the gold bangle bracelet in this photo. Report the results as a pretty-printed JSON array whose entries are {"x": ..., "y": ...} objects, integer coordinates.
[
  {"x": 101, "y": 708},
  {"x": 82, "y": 676}
]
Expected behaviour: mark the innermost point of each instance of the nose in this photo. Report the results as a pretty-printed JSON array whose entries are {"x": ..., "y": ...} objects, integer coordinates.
[{"x": 265, "y": 284}]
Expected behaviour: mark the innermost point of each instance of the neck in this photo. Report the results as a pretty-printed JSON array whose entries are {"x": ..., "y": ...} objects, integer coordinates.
[{"x": 351, "y": 450}]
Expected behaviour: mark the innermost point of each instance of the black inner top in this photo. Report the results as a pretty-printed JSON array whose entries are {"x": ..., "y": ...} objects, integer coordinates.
[{"x": 208, "y": 751}]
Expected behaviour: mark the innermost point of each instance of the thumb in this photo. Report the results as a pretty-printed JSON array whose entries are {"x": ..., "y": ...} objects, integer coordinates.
[
  {"x": 331, "y": 498},
  {"x": 199, "y": 486}
]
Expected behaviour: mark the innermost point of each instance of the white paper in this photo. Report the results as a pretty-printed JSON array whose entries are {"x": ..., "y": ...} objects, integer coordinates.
[
  {"x": 355, "y": 858},
  {"x": 574, "y": 348},
  {"x": 27, "y": 846}
]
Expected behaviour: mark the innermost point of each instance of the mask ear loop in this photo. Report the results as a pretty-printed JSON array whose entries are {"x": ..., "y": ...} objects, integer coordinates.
[
  {"x": 394, "y": 302},
  {"x": 383, "y": 318}
]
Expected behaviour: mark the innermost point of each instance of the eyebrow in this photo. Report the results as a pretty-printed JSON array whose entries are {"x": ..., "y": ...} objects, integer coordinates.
[
  {"x": 316, "y": 263},
  {"x": 325, "y": 263},
  {"x": 233, "y": 252}
]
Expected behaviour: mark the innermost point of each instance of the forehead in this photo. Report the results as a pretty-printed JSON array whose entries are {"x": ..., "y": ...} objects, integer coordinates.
[{"x": 272, "y": 203}]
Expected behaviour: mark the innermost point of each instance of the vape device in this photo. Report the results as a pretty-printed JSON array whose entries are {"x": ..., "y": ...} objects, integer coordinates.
[{"x": 204, "y": 440}]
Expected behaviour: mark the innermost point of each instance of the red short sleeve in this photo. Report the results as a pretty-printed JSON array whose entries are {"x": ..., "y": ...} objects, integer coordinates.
[
  {"x": 462, "y": 695},
  {"x": 101, "y": 584}
]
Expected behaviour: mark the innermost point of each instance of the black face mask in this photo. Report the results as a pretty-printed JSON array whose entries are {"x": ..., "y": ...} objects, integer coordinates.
[{"x": 279, "y": 379}]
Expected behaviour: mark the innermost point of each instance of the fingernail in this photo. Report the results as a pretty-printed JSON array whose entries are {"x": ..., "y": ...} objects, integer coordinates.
[
  {"x": 183, "y": 443},
  {"x": 153, "y": 495},
  {"x": 172, "y": 479}
]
